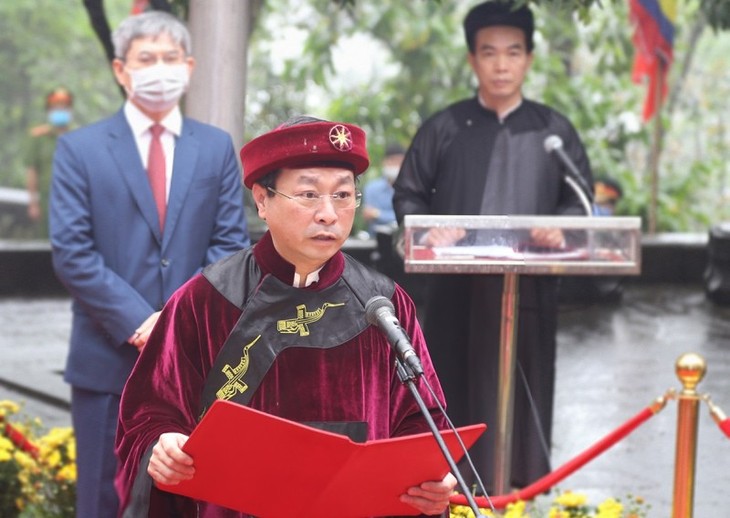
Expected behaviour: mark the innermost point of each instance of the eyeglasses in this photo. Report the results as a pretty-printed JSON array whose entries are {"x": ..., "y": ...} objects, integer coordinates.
[
  {"x": 147, "y": 59},
  {"x": 312, "y": 200}
]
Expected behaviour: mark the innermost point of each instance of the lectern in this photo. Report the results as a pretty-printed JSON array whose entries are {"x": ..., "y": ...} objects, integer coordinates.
[{"x": 502, "y": 245}]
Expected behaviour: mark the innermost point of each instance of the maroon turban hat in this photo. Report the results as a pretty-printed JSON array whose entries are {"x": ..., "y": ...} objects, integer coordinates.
[{"x": 307, "y": 144}]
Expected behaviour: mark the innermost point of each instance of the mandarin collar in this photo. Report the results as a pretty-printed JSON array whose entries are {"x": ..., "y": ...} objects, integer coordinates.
[
  {"x": 507, "y": 113},
  {"x": 271, "y": 262}
]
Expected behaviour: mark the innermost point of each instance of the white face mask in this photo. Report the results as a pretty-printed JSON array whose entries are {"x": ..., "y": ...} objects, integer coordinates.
[
  {"x": 390, "y": 172},
  {"x": 158, "y": 88}
]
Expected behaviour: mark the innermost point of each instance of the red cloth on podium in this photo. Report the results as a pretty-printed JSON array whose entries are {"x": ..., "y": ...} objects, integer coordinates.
[{"x": 163, "y": 391}]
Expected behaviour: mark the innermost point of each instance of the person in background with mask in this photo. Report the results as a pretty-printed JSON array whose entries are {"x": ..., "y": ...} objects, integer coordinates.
[
  {"x": 377, "y": 195},
  {"x": 606, "y": 196},
  {"x": 39, "y": 154},
  {"x": 140, "y": 202}
]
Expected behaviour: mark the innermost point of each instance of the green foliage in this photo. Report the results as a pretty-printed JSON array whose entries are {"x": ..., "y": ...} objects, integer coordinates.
[
  {"x": 583, "y": 61},
  {"x": 389, "y": 65},
  {"x": 417, "y": 67},
  {"x": 44, "y": 44},
  {"x": 717, "y": 13}
]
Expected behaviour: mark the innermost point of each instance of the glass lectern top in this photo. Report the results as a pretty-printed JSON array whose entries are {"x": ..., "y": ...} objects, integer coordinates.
[{"x": 517, "y": 244}]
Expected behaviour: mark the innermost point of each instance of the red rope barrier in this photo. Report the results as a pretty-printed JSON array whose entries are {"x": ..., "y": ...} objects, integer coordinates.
[
  {"x": 17, "y": 438},
  {"x": 719, "y": 417},
  {"x": 725, "y": 427},
  {"x": 548, "y": 481}
]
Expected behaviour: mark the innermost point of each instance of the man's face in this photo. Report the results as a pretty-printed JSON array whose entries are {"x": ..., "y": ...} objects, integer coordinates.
[
  {"x": 500, "y": 62},
  {"x": 391, "y": 166},
  {"x": 307, "y": 236},
  {"x": 148, "y": 51}
]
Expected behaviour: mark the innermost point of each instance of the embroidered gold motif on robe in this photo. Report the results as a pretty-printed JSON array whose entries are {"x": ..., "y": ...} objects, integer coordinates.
[
  {"x": 300, "y": 324},
  {"x": 235, "y": 383}
]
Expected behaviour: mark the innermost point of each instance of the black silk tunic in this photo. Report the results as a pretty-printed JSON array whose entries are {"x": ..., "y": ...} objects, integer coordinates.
[{"x": 465, "y": 160}]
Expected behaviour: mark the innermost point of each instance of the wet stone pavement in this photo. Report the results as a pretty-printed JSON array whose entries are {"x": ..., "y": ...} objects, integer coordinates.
[{"x": 613, "y": 360}]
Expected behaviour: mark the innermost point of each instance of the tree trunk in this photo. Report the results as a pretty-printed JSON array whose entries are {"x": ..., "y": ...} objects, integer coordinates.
[
  {"x": 220, "y": 32},
  {"x": 217, "y": 91}
]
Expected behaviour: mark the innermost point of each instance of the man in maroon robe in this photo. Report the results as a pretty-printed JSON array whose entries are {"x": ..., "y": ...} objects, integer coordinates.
[{"x": 298, "y": 302}]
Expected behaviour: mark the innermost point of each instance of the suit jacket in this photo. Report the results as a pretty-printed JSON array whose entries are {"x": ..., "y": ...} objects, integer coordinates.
[{"x": 107, "y": 246}]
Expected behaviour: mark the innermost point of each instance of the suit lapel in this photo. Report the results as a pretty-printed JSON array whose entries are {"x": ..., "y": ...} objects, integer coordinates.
[
  {"x": 186, "y": 157},
  {"x": 123, "y": 149}
]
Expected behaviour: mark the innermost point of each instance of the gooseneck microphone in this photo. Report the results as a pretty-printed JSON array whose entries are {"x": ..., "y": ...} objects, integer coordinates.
[
  {"x": 379, "y": 311},
  {"x": 554, "y": 144}
]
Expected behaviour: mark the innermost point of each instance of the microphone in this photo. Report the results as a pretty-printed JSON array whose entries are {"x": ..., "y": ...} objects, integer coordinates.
[
  {"x": 379, "y": 311},
  {"x": 554, "y": 144}
]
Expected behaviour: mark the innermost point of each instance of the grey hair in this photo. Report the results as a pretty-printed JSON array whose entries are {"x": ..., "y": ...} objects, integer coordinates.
[{"x": 150, "y": 23}]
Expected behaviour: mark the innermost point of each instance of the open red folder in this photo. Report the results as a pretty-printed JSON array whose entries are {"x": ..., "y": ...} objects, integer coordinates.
[{"x": 270, "y": 467}]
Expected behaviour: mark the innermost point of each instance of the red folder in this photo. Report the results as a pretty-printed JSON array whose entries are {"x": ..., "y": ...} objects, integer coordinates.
[{"x": 270, "y": 467}]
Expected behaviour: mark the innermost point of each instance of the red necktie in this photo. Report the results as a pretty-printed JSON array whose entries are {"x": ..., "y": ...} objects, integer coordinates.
[{"x": 156, "y": 172}]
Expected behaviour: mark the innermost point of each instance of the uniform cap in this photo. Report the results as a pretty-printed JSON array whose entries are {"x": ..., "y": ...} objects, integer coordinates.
[{"x": 59, "y": 96}]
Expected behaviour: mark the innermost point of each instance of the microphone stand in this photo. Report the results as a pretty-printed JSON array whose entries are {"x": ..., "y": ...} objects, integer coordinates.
[
  {"x": 407, "y": 377},
  {"x": 581, "y": 195},
  {"x": 587, "y": 206}
]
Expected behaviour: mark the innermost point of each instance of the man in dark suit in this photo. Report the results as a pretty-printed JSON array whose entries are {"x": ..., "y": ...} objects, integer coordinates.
[{"x": 140, "y": 202}]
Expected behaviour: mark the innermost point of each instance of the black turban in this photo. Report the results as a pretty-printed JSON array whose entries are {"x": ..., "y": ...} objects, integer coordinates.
[{"x": 499, "y": 12}]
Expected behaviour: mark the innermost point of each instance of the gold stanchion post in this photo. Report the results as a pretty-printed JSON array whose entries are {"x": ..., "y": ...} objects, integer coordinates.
[{"x": 690, "y": 369}]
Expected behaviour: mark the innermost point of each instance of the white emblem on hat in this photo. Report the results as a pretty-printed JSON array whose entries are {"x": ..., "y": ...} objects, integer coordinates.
[{"x": 341, "y": 138}]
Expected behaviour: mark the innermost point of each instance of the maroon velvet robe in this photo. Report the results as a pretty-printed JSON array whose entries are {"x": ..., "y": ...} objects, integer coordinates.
[{"x": 355, "y": 381}]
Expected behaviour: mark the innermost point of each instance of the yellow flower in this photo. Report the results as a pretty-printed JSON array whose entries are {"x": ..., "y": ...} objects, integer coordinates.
[
  {"x": 464, "y": 511},
  {"x": 47, "y": 480},
  {"x": 67, "y": 473},
  {"x": 56, "y": 437},
  {"x": 569, "y": 499},
  {"x": 8, "y": 408},
  {"x": 6, "y": 444},
  {"x": 459, "y": 511},
  {"x": 71, "y": 449},
  {"x": 24, "y": 460},
  {"x": 53, "y": 459},
  {"x": 515, "y": 510},
  {"x": 611, "y": 508}
]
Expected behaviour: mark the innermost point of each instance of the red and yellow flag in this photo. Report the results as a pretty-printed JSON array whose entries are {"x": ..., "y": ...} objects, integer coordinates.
[{"x": 653, "y": 22}]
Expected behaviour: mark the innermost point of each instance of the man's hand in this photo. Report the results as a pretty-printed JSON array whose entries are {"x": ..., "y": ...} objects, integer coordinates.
[
  {"x": 445, "y": 236},
  {"x": 431, "y": 498},
  {"x": 34, "y": 209},
  {"x": 169, "y": 464},
  {"x": 548, "y": 237},
  {"x": 370, "y": 213},
  {"x": 142, "y": 333}
]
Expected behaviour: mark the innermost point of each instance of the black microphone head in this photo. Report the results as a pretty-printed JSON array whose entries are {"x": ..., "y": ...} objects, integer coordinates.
[
  {"x": 552, "y": 143},
  {"x": 374, "y": 305}
]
